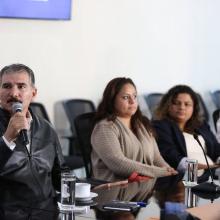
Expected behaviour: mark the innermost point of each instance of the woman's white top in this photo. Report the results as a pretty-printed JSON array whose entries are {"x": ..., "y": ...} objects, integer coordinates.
[{"x": 194, "y": 151}]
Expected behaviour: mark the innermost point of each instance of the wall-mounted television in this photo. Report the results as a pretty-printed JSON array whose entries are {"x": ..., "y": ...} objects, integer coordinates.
[{"x": 36, "y": 9}]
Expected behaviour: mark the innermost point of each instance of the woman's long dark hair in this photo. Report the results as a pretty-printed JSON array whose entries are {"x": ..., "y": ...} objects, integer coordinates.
[
  {"x": 106, "y": 107},
  {"x": 162, "y": 111}
]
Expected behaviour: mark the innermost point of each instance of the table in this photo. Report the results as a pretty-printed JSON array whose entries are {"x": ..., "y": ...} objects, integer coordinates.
[{"x": 154, "y": 192}]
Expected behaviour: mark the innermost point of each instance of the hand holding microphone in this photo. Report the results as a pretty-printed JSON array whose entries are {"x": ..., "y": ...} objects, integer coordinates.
[{"x": 18, "y": 124}]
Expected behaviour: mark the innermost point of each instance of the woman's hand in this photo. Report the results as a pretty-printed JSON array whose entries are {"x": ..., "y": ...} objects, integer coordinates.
[
  {"x": 204, "y": 166},
  {"x": 172, "y": 171}
]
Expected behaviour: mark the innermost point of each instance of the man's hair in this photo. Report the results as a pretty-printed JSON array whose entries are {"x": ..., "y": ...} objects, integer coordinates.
[{"x": 17, "y": 68}]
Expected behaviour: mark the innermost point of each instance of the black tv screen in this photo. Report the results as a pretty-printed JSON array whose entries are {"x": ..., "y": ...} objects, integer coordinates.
[{"x": 36, "y": 9}]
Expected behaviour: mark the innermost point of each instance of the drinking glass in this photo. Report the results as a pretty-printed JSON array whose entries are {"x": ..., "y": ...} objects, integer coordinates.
[
  {"x": 191, "y": 172},
  {"x": 68, "y": 182}
]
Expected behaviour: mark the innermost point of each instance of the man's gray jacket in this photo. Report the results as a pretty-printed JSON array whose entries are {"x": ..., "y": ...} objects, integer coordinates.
[{"x": 30, "y": 178}]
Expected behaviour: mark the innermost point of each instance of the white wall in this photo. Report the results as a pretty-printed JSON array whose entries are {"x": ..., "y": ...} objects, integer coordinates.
[{"x": 158, "y": 43}]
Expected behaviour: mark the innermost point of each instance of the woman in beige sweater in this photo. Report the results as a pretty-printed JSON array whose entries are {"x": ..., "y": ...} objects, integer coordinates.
[{"x": 122, "y": 139}]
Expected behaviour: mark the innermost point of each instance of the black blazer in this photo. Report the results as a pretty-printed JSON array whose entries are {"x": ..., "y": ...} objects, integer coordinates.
[{"x": 172, "y": 144}]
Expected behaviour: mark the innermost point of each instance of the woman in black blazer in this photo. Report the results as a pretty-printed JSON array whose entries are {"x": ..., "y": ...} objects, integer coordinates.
[{"x": 177, "y": 119}]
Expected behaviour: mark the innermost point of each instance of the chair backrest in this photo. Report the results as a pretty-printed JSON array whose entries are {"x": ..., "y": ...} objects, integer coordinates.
[
  {"x": 39, "y": 109},
  {"x": 75, "y": 107},
  {"x": 84, "y": 126},
  {"x": 215, "y": 117},
  {"x": 216, "y": 98},
  {"x": 152, "y": 100},
  {"x": 203, "y": 109}
]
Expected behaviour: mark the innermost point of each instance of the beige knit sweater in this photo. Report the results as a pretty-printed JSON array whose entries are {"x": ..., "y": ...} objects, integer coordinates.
[{"x": 117, "y": 152}]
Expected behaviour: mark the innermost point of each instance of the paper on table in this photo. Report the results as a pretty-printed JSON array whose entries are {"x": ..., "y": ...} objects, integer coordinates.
[{"x": 77, "y": 209}]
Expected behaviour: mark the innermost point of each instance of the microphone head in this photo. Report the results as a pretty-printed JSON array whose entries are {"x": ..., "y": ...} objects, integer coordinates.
[{"x": 17, "y": 107}]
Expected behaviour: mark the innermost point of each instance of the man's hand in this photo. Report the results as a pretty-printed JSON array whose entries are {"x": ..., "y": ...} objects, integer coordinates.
[{"x": 17, "y": 122}]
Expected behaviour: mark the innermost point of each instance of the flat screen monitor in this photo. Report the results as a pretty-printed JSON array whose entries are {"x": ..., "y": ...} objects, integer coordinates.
[{"x": 36, "y": 9}]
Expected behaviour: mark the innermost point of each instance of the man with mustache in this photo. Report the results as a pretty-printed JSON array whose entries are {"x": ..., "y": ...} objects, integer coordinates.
[{"x": 29, "y": 172}]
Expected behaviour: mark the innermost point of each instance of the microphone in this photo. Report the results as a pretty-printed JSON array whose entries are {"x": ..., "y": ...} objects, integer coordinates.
[
  {"x": 206, "y": 187},
  {"x": 17, "y": 107}
]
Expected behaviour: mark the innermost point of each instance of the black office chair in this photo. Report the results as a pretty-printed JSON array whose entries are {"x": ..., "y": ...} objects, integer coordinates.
[
  {"x": 39, "y": 109},
  {"x": 73, "y": 108},
  {"x": 73, "y": 162},
  {"x": 203, "y": 109},
  {"x": 152, "y": 100},
  {"x": 84, "y": 125},
  {"x": 216, "y": 98},
  {"x": 215, "y": 117}
]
